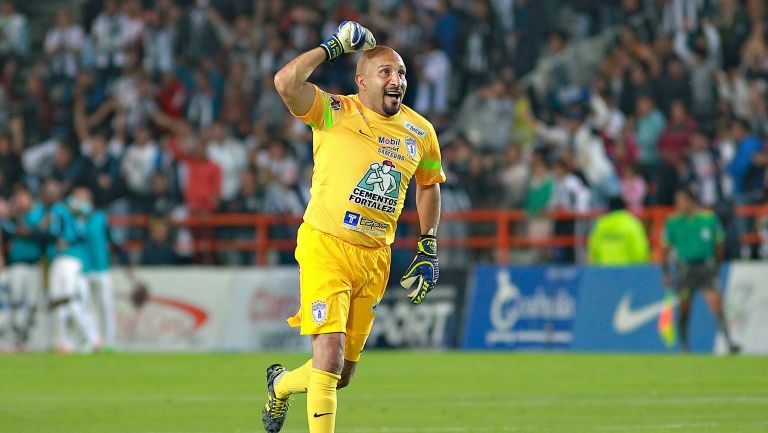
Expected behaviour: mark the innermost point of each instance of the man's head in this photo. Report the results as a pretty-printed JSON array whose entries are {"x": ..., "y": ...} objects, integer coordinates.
[
  {"x": 50, "y": 192},
  {"x": 616, "y": 202},
  {"x": 80, "y": 200},
  {"x": 380, "y": 78},
  {"x": 685, "y": 201},
  {"x": 22, "y": 200},
  {"x": 740, "y": 128}
]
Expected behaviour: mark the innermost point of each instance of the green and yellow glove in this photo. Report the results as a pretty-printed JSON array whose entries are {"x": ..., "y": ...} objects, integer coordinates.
[
  {"x": 423, "y": 271},
  {"x": 349, "y": 37}
]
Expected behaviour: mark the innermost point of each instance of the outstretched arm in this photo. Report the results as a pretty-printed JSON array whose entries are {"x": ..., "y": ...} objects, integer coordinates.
[
  {"x": 291, "y": 81},
  {"x": 428, "y": 207}
]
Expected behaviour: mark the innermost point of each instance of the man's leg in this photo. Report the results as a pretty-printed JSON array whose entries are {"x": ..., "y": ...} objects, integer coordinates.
[
  {"x": 327, "y": 363},
  {"x": 715, "y": 303},
  {"x": 346, "y": 373},
  {"x": 682, "y": 320},
  {"x": 294, "y": 381}
]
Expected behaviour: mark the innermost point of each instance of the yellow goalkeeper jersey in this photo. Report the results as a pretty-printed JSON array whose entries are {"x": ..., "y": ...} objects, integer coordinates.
[{"x": 363, "y": 163}]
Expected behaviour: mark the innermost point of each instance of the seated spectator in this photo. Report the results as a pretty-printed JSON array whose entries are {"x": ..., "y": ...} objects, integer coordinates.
[{"x": 158, "y": 250}]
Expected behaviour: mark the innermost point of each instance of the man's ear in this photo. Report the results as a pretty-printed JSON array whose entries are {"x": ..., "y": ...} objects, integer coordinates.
[{"x": 360, "y": 82}]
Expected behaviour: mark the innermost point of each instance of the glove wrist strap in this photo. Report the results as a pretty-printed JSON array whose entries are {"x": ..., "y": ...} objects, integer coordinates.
[
  {"x": 427, "y": 245},
  {"x": 332, "y": 47}
]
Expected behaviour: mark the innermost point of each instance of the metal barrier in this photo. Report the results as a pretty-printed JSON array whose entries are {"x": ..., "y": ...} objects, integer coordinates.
[{"x": 502, "y": 239}]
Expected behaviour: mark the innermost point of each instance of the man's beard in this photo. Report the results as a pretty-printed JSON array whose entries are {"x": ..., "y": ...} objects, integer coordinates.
[{"x": 390, "y": 111}]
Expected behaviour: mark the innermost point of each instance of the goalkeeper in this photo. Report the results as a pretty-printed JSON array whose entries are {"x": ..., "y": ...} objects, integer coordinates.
[{"x": 360, "y": 143}]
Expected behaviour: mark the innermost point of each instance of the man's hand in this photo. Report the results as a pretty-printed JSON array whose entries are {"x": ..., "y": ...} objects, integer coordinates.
[
  {"x": 423, "y": 271},
  {"x": 349, "y": 37}
]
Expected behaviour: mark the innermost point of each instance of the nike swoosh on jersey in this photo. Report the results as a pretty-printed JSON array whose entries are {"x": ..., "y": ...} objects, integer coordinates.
[
  {"x": 318, "y": 415},
  {"x": 626, "y": 320},
  {"x": 361, "y": 131}
]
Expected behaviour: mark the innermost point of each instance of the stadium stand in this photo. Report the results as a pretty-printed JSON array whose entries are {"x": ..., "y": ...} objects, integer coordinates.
[{"x": 166, "y": 110}]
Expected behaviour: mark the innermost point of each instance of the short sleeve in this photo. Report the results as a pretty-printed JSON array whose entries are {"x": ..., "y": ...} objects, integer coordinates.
[
  {"x": 324, "y": 110},
  {"x": 430, "y": 169}
]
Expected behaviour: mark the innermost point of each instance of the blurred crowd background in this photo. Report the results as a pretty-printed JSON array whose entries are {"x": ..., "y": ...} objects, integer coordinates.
[{"x": 167, "y": 108}]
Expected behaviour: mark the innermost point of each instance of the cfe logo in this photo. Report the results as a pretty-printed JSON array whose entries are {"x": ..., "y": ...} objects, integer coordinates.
[
  {"x": 353, "y": 221},
  {"x": 379, "y": 187}
]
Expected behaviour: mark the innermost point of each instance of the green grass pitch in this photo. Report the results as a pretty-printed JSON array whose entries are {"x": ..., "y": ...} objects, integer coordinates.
[{"x": 393, "y": 392}]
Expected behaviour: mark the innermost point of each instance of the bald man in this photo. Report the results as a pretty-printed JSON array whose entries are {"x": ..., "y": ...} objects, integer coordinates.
[{"x": 366, "y": 148}]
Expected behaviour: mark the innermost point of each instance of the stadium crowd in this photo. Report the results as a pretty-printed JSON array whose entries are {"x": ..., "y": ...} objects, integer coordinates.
[{"x": 168, "y": 108}]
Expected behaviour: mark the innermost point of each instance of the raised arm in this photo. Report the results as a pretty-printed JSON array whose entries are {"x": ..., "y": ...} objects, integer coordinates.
[{"x": 291, "y": 81}]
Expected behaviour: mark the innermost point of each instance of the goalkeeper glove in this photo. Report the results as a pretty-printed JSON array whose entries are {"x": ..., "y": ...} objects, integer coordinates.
[
  {"x": 349, "y": 37},
  {"x": 423, "y": 270}
]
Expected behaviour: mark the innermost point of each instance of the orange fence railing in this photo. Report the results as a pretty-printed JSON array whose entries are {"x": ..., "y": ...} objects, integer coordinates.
[{"x": 500, "y": 231}]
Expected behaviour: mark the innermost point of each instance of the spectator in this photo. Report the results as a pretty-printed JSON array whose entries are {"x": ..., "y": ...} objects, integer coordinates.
[
  {"x": 569, "y": 194},
  {"x": 70, "y": 169},
  {"x": 158, "y": 39},
  {"x": 486, "y": 115},
  {"x": 63, "y": 44},
  {"x": 201, "y": 178},
  {"x": 537, "y": 199},
  {"x": 14, "y": 31},
  {"x": 633, "y": 189},
  {"x": 513, "y": 178},
  {"x": 106, "y": 184},
  {"x": 140, "y": 162},
  {"x": 748, "y": 164},
  {"x": 197, "y": 36},
  {"x": 434, "y": 69},
  {"x": 673, "y": 141},
  {"x": 112, "y": 35},
  {"x": 229, "y": 154},
  {"x": 650, "y": 125},
  {"x": 158, "y": 250},
  {"x": 11, "y": 170}
]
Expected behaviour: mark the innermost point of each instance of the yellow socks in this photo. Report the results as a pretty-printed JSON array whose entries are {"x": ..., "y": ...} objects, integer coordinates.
[
  {"x": 294, "y": 381},
  {"x": 321, "y": 401}
]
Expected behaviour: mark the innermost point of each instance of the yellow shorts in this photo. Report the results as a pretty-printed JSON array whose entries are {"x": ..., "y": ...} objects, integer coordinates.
[{"x": 341, "y": 285}]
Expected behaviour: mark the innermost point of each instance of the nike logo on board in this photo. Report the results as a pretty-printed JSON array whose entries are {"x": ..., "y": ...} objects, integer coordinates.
[{"x": 626, "y": 319}]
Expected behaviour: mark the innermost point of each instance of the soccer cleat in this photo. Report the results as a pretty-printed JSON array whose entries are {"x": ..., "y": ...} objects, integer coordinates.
[
  {"x": 734, "y": 349},
  {"x": 275, "y": 410}
]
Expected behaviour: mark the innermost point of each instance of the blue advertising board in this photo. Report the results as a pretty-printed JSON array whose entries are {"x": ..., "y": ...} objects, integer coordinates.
[
  {"x": 579, "y": 308},
  {"x": 521, "y": 308},
  {"x": 618, "y": 310}
]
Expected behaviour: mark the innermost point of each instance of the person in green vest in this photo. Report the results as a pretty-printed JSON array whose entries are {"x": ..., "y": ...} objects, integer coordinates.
[
  {"x": 618, "y": 238},
  {"x": 696, "y": 238}
]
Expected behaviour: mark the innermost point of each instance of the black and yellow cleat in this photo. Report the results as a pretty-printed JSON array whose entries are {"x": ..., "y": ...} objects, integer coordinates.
[{"x": 275, "y": 410}]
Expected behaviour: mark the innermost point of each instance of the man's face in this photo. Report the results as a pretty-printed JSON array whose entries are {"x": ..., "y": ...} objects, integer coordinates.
[
  {"x": 683, "y": 203},
  {"x": 385, "y": 83}
]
